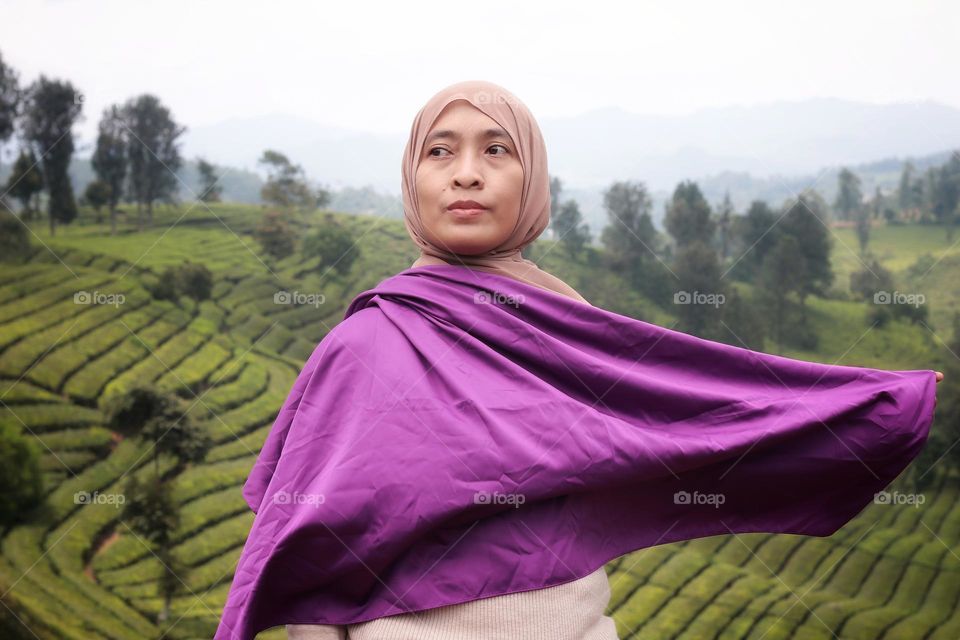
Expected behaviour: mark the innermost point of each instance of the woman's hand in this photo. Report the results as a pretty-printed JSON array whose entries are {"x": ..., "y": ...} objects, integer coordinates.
[{"x": 939, "y": 378}]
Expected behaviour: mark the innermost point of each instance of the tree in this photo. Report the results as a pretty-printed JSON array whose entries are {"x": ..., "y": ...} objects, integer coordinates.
[
  {"x": 188, "y": 279},
  {"x": 911, "y": 193},
  {"x": 275, "y": 235},
  {"x": 166, "y": 285},
  {"x": 725, "y": 224},
  {"x": 173, "y": 432},
  {"x": 151, "y": 512},
  {"x": 945, "y": 194},
  {"x": 14, "y": 242},
  {"x": 556, "y": 188},
  {"x": 152, "y": 152},
  {"x": 26, "y": 181},
  {"x": 10, "y": 97},
  {"x": 804, "y": 221},
  {"x": 286, "y": 184},
  {"x": 322, "y": 197},
  {"x": 159, "y": 417},
  {"x": 757, "y": 234},
  {"x": 744, "y": 321},
  {"x": 109, "y": 159},
  {"x": 97, "y": 195},
  {"x": 128, "y": 413},
  {"x": 921, "y": 193},
  {"x": 210, "y": 190},
  {"x": 872, "y": 279},
  {"x": 20, "y": 474},
  {"x": 879, "y": 203},
  {"x": 194, "y": 280},
  {"x": 782, "y": 273},
  {"x": 52, "y": 107},
  {"x": 688, "y": 217},
  {"x": 701, "y": 296},
  {"x": 940, "y": 457},
  {"x": 849, "y": 198},
  {"x": 333, "y": 244},
  {"x": 905, "y": 192},
  {"x": 171, "y": 580},
  {"x": 567, "y": 223},
  {"x": 862, "y": 217},
  {"x": 875, "y": 285},
  {"x": 631, "y": 241},
  {"x": 150, "y": 509}
]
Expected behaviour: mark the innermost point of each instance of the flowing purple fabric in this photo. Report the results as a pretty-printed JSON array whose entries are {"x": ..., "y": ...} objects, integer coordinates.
[{"x": 462, "y": 434}]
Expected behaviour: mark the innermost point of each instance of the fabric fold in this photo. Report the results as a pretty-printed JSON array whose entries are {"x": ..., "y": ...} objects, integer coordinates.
[{"x": 462, "y": 434}]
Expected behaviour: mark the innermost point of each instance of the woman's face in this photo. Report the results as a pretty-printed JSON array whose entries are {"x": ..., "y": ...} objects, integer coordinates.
[{"x": 468, "y": 156}]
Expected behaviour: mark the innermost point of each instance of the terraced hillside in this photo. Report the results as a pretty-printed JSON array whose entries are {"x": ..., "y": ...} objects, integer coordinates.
[
  {"x": 75, "y": 570},
  {"x": 233, "y": 357}
]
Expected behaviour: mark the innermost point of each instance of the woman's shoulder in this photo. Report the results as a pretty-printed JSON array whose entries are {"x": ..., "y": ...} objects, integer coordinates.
[
  {"x": 349, "y": 338},
  {"x": 358, "y": 324}
]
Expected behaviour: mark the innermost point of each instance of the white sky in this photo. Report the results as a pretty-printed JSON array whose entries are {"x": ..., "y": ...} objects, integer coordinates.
[{"x": 371, "y": 66}]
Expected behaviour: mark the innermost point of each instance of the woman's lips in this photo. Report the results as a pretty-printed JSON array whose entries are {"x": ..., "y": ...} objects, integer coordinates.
[{"x": 466, "y": 213}]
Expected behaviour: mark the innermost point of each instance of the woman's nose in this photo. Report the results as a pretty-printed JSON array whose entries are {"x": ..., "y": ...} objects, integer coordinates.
[{"x": 465, "y": 171}]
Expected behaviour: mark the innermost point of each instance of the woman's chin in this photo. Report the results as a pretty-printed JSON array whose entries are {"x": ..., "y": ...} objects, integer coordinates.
[{"x": 467, "y": 244}]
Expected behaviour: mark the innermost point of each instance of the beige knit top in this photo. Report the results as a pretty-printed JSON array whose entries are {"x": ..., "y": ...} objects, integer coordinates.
[{"x": 571, "y": 611}]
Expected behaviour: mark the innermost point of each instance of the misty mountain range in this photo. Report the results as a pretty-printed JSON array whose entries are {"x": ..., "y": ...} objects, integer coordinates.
[{"x": 766, "y": 151}]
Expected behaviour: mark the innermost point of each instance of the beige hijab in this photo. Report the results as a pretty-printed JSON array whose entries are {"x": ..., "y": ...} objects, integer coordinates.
[{"x": 503, "y": 107}]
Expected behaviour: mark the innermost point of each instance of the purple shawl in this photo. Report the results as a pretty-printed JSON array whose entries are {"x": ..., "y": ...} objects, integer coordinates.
[{"x": 462, "y": 434}]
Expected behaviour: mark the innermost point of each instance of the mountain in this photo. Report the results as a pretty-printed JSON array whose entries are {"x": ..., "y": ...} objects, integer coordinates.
[
  {"x": 785, "y": 138},
  {"x": 333, "y": 156},
  {"x": 594, "y": 148}
]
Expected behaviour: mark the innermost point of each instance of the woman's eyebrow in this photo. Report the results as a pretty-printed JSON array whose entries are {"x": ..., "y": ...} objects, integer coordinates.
[{"x": 495, "y": 132}]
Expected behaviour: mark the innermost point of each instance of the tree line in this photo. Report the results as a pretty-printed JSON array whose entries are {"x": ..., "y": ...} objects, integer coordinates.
[{"x": 136, "y": 157}]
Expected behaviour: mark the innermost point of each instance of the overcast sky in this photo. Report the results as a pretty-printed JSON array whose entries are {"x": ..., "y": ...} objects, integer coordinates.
[{"x": 371, "y": 66}]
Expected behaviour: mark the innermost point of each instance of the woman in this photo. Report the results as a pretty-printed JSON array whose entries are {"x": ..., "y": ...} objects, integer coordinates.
[
  {"x": 462, "y": 455},
  {"x": 468, "y": 160}
]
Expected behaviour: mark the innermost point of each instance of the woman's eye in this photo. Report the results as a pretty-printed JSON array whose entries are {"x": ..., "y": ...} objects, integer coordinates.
[{"x": 506, "y": 150}]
